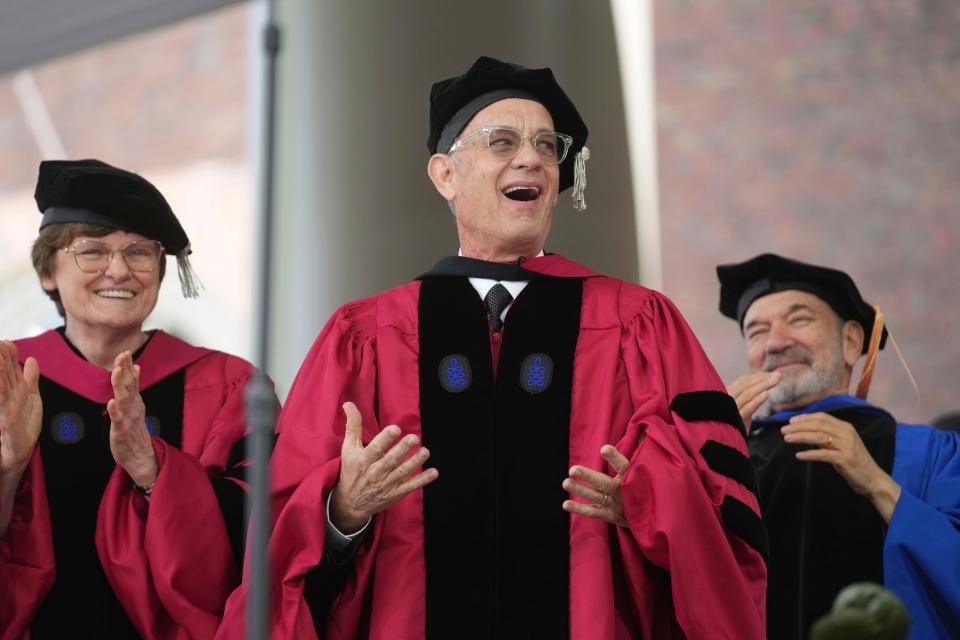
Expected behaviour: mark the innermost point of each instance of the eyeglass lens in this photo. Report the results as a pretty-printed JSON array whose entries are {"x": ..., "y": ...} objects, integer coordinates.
[
  {"x": 94, "y": 256},
  {"x": 506, "y": 143}
]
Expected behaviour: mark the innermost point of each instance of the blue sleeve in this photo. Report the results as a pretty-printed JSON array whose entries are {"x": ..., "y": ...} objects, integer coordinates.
[{"x": 922, "y": 551}]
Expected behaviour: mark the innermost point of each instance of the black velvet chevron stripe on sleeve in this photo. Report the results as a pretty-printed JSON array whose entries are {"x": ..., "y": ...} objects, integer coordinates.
[
  {"x": 731, "y": 463},
  {"x": 738, "y": 518},
  {"x": 236, "y": 466},
  {"x": 708, "y": 405},
  {"x": 231, "y": 496}
]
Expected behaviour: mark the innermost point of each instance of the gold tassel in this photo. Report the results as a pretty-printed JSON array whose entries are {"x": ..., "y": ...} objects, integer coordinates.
[
  {"x": 916, "y": 390},
  {"x": 873, "y": 350},
  {"x": 863, "y": 387},
  {"x": 580, "y": 179}
]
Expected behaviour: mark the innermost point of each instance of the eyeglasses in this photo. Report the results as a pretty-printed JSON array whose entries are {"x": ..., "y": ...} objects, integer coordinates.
[
  {"x": 94, "y": 256},
  {"x": 505, "y": 143}
]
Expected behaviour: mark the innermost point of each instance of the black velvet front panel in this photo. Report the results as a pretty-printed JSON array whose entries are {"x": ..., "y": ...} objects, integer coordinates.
[
  {"x": 496, "y": 537},
  {"x": 75, "y": 448},
  {"x": 460, "y": 508},
  {"x": 823, "y": 536}
]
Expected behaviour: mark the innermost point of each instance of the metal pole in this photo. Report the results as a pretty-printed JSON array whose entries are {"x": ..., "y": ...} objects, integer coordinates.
[{"x": 260, "y": 404}]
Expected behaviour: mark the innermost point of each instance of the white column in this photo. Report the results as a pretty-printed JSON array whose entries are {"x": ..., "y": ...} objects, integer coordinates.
[{"x": 633, "y": 22}]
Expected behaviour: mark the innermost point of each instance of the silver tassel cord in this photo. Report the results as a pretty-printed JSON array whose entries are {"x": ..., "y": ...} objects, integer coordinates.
[
  {"x": 190, "y": 283},
  {"x": 580, "y": 179}
]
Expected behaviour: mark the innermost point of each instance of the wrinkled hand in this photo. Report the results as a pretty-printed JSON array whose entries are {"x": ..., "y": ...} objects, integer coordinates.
[
  {"x": 130, "y": 442},
  {"x": 750, "y": 392},
  {"x": 374, "y": 477},
  {"x": 601, "y": 491},
  {"x": 840, "y": 445},
  {"x": 21, "y": 410}
]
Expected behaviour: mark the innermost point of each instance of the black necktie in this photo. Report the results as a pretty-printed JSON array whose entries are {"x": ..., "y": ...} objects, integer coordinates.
[{"x": 497, "y": 300}]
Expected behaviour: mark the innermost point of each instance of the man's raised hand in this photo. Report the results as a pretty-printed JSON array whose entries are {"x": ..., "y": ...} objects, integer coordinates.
[
  {"x": 838, "y": 443},
  {"x": 750, "y": 392},
  {"x": 602, "y": 492},
  {"x": 374, "y": 477}
]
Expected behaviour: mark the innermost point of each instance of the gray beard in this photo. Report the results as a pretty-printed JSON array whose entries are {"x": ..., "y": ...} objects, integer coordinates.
[{"x": 815, "y": 380}]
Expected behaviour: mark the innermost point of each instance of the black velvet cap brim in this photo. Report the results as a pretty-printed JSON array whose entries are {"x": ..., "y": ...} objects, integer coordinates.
[
  {"x": 94, "y": 192},
  {"x": 743, "y": 283},
  {"x": 489, "y": 76}
]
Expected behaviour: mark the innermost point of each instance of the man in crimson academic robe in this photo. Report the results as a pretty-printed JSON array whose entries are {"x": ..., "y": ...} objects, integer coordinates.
[
  {"x": 511, "y": 445},
  {"x": 886, "y": 505}
]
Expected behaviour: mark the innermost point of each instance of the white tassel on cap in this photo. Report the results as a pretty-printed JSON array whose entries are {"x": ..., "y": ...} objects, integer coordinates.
[
  {"x": 580, "y": 179},
  {"x": 190, "y": 283}
]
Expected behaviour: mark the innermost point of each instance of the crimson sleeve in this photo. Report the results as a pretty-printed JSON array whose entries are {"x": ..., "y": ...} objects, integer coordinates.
[
  {"x": 340, "y": 367},
  {"x": 689, "y": 491},
  {"x": 26, "y": 554},
  {"x": 171, "y": 562}
]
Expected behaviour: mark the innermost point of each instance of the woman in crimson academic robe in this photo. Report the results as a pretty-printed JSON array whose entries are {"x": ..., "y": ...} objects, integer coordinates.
[{"x": 120, "y": 493}]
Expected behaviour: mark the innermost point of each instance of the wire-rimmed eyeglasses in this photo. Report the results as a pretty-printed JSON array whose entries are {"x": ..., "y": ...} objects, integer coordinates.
[
  {"x": 94, "y": 256},
  {"x": 505, "y": 143}
]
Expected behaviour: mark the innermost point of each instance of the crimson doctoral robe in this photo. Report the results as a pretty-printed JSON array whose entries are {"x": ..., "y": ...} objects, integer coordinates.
[
  {"x": 486, "y": 550},
  {"x": 84, "y": 552}
]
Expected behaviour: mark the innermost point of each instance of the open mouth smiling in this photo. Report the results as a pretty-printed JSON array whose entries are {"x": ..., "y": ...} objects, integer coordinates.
[{"x": 522, "y": 193}]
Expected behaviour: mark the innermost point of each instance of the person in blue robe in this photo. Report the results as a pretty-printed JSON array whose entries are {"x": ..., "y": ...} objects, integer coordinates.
[{"x": 848, "y": 494}]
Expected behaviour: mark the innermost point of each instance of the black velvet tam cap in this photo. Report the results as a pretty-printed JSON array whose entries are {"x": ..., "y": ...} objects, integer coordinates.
[
  {"x": 95, "y": 192},
  {"x": 454, "y": 102},
  {"x": 741, "y": 284}
]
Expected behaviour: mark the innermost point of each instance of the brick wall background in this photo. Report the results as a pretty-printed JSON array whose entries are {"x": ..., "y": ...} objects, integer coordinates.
[
  {"x": 174, "y": 105},
  {"x": 828, "y": 131}
]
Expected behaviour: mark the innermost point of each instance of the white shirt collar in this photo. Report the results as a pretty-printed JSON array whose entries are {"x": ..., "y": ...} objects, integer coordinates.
[{"x": 483, "y": 285}]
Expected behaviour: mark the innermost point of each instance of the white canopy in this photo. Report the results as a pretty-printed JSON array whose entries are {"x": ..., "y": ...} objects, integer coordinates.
[{"x": 34, "y": 31}]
